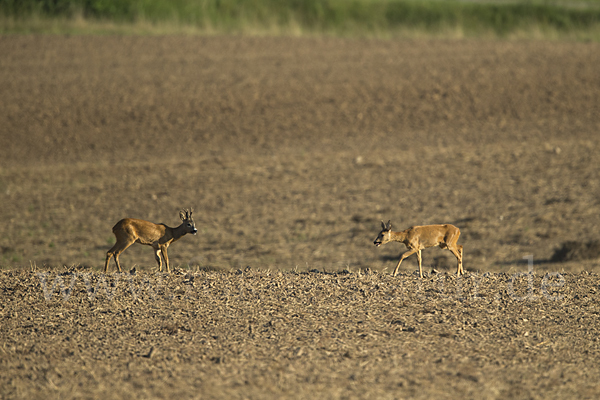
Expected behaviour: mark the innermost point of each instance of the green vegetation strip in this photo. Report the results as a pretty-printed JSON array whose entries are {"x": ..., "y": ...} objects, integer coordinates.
[{"x": 339, "y": 17}]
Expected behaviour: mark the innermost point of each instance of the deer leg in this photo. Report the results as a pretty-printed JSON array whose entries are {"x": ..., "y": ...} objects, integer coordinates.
[
  {"x": 460, "y": 260},
  {"x": 157, "y": 258},
  {"x": 166, "y": 257},
  {"x": 117, "y": 249},
  {"x": 457, "y": 251},
  {"x": 402, "y": 257},
  {"x": 117, "y": 262},
  {"x": 420, "y": 260},
  {"x": 108, "y": 257}
]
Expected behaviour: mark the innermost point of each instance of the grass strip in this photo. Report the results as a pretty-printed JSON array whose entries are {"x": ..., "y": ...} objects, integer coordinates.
[{"x": 337, "y": 17}]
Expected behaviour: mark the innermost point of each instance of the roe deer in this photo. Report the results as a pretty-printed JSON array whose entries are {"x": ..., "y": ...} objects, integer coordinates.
[
  {"x": 129, "y": 231},
  {"x": 417, "y": 238}
]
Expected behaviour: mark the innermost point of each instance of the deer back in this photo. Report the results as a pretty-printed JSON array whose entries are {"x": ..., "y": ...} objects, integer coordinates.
[{"x": 427, "y": 235}]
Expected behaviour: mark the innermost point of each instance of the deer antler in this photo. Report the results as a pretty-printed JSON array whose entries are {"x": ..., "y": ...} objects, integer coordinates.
[{"x": 186, "y": 214}]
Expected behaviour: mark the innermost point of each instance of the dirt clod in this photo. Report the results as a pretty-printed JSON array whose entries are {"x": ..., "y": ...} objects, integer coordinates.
[{"x": 577, "y": 251}]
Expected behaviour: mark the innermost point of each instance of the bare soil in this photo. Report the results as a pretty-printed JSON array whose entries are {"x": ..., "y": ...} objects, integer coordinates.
[{"x": 291, "y": 151}]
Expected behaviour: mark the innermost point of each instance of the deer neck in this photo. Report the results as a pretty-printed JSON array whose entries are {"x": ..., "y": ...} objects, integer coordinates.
[
  {"x": 398, "y": 236},
  {"x": 178, "y": 232}
]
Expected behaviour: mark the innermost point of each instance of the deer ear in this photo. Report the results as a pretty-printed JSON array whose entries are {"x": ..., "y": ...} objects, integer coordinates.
[
  {"x": 182, "y": 215},
  {"x": 389, "y": 225},
  {"x": 383, "y": 225}
]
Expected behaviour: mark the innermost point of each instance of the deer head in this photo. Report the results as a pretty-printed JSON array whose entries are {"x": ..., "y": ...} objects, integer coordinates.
[
  {"x": 188, "y": 222},
  {"x": 385, "y": 234}
]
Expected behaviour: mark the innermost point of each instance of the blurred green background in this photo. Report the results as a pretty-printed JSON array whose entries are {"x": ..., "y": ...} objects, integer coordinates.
[{"x": 579, "y": 20}]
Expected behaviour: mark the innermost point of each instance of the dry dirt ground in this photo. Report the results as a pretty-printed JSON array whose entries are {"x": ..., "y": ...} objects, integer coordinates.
[{"x": 291, "y": 151}]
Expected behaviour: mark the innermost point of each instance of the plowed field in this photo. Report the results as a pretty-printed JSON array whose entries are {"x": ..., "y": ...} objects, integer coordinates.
[{"x": 291, "y": 151}]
